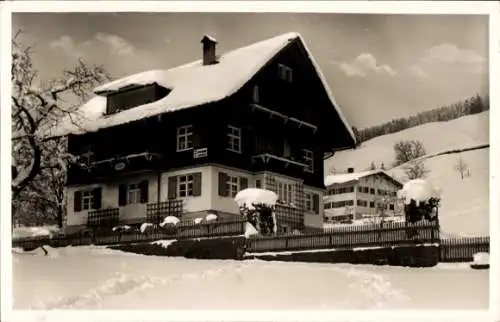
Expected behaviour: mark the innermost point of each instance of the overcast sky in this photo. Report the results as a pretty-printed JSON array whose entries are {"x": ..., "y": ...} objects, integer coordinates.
[{"x": 377, "y": 66}]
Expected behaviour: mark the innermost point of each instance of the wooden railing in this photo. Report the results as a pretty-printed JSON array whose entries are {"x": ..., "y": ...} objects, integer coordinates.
[
  {"x": 103, "y": 219},
  {"x": 156, "y": 212}
]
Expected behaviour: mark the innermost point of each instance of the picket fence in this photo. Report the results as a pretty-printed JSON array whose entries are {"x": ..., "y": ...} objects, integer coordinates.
[
  {"x": 348, "y": 237},
  {"x": 462, "y": 249}
]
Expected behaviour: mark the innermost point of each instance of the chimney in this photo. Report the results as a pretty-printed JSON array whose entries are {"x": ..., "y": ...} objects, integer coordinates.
[
  {"x": 209, "y": 56},
  {"x": 350, "y": 170}
]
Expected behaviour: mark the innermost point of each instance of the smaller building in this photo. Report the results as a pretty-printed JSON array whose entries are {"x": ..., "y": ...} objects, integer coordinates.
[{"x": 357, "y": 195}]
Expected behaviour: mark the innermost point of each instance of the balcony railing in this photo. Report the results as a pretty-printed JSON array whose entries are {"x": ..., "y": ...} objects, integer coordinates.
[
  {"x": 156, "y": 212},
  {"x": 266, "y": 157},
  {"x": 284, "y": 117},
  {"x": 103, "y": 219}
]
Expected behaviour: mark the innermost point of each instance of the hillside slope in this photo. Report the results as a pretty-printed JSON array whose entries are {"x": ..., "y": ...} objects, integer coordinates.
[
  {"x": 464, "y": 207},
  {"x": 465, "y": 203},
  {"x": 467, "y": 131}
]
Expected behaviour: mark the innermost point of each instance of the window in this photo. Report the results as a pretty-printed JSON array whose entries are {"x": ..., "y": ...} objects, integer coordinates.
[
  {"x": 391, "y": 207},
  {"x": 372, "y": 204},
  {"x": 232, "y": 186},
  {"x": 134, "y": 193},
  {"x": 184, "y": 138},
  {"x": 328, "y": 205},
  {"x": 234, "y": 139},
  {"x": 185, "y": 187},
  {"x": 342, "y": 203},
  {"x": 285, "y": 192},
  {"x": 372, "y": 191},
  {"x": 87, "y": 199},
  {"x": 360, "y": 189},
  {"x": 366, "y": 189},
  {"x": 309, "y": 160},
  {"x": 88, "y": 157},
  {"x": 258, "y": 183},
  {"x": 341, "y": 190},
  {"x": 285, "y": 73},
  {"x": 362, "y": 203},
  {"x": 308, "y": 201}
]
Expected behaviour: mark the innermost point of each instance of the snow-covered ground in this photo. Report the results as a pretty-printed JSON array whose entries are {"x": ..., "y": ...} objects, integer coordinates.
[
  {"x": 464, "y": 207},
  {"x": 93, "y": 277}
]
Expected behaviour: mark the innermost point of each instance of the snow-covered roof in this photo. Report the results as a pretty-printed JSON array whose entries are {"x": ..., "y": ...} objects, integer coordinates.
[
  {"x": 191, "y": 85},
  {"x": 355, "y": 176},
  {"x": 347, "y": 177}
]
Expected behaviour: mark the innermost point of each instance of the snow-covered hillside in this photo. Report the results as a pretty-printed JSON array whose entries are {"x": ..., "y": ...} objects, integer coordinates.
[
  {"x": 465, "y": 203},
  {"x": 464, "y": 132},
  {"x": 464, "y": 207}
]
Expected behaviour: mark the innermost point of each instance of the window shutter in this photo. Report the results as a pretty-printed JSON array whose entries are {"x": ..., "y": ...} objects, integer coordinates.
[
  {"x": 77, "y": 202},
  {"x": 222, "y": 184},
  {"x": 122, "y": 195},
  {"x": 172, "y": 187},
  {"x": 316, "y": 203},
  {"x": 243, "y": 183},
  {"x": 144, "y": 191},
  {"x": 197, "y": 184},
  {"x": 97, "y": 198}
]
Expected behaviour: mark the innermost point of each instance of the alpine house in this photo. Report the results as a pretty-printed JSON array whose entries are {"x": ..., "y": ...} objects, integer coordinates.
[{"x": 182, "y": 142}]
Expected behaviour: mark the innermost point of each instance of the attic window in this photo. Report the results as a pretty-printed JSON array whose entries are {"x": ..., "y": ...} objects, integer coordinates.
[
  {"x": 285, "y": 73},
  {"x": 134, "y": 96}
]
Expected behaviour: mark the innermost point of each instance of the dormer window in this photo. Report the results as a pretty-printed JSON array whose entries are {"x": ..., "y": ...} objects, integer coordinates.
[
  {"x": 285, "y": 73},
  {"x": 133, "y": 96}
]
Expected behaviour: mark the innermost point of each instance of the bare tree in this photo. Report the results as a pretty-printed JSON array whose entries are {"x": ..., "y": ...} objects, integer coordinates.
[
  {"x": 407, "y": 151},
  {"x": 37, "y": 106},
  {"x": 462, "y": 167},
  {"x": 372, "y": 166},
  {"x": 415, "y": 169}
]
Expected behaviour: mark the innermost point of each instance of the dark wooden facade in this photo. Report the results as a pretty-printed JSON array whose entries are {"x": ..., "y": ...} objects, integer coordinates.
[{"x": 269, "y": 111}]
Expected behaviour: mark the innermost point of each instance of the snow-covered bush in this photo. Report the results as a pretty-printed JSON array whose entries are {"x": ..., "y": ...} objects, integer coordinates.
[
  {"x": 169, "y": 221},
  {"x": 257, "y": 205},
  {"x": 122, "y": 228},
  {"x": 146, "y": 228},
  {"x": 211, "y": 217},
  {"x": 421, "y": 200},
  {"x": 198, "y": 220}
]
